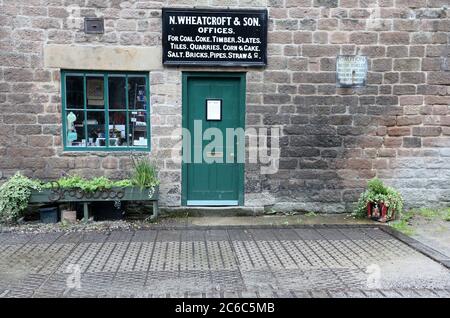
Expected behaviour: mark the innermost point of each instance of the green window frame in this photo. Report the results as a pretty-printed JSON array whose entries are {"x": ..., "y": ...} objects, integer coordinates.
[{"x": 79, "y": 133}]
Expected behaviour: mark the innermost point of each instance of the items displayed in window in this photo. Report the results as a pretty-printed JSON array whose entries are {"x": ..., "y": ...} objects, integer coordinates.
[
  {"x": 106, "y": 111},
  {"x": 75, "y": 129},
  {"x": 95, "y": 95}
]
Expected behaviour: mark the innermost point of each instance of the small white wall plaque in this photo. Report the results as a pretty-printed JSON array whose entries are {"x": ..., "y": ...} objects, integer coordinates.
[
  {"x": 351, "y": 70},
  {"x": 213, "y": 109}
]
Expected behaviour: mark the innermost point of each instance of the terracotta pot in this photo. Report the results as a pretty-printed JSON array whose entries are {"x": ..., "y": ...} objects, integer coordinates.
[
  {"x": 379, "y": 213},
  {"x": 69, "y": 216},
  {"x": 383, "y": 217}
]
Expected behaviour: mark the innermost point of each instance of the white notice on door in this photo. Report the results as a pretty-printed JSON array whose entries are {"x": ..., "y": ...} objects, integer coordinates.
[{"x": 213, "y": 109}]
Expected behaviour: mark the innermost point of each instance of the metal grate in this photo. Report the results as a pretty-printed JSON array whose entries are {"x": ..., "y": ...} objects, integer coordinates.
[{"x": 281, "y": 262}]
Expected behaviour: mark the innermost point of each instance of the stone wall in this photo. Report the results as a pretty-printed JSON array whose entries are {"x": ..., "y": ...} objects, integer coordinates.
[{"x": 333, "y": 139}]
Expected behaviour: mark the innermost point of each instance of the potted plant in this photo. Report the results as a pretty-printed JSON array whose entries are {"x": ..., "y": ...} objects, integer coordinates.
[
  {"x": 48, "y": 214},
  {"x": 144, "y": 175},
  {"x": 17, "y": 192},
  {"x": 69, "y": 213},
  {"x": 14, "y": 196},
  {"x": 379, "y": 202}
]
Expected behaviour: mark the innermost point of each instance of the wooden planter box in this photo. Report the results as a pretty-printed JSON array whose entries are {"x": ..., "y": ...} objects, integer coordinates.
[
  {"x": 381, "y": 215},
  {"x": 113, "y": 194}
]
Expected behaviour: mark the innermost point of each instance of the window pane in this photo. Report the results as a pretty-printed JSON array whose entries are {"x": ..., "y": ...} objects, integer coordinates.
[
  {"x": 94, "y": 92},
  {"x": 74, "y": 92},
  {"x": 75, "y": 129},
  {"x": 137, "y": 128},
  {"x": 96, "y": 129},
  {"x": 90, "y": 122},
  {"x": 116, "y": 92},
  {"x": 117, "y": 129},
  {"x": 137, "y": 93}
]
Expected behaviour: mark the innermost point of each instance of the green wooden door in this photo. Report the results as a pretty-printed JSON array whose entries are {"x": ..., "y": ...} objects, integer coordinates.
[{"x": 211, "y": 104}]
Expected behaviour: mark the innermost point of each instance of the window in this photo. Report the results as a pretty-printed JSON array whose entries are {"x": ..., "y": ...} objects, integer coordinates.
[{"x": 105, "y": 111}]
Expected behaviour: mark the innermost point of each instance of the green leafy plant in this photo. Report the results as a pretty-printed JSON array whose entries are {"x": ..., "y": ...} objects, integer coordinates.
[
  {"x": 14, "y": 196},
  {"x": 122, "y": 183},
  {"x": 375, "y": 185},
  {"x": 403, "y": 226},
  {"x": 378, "y": 193},
  {"x": 144, "y": 174},
  {"x": 15, "y": 193},
  {"x": 446, "y": 216},
  {"x": 432, "y": 214},
  {"x": 405, "y": 223},
  {"x": 88, "y": 185}
]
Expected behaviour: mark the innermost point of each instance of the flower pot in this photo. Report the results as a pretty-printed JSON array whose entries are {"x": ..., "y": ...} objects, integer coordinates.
[
  {"x": 379, "y": 212},
  {"x": 49, "y": 215},
  {"x": 69, "y": 216}
]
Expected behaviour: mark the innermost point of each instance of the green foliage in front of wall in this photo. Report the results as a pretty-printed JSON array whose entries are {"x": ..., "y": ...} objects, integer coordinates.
[
  {"x": 15, "y": 193},
  {"x": 88, "y": 185},
  {"x": 144, "y": 173},
  {"x": 378, "y": 192},
  {"x": 14, "y": 196}
]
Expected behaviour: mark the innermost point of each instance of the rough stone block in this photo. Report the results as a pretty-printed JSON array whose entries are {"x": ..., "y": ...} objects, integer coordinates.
[
  {"x": 409, "y": 120},
  {"x": 320, "y": 50},
  {"x": 407, "y": 64},
  {"x": 412, "y": 77},
  {"x": 425, "y": 131},
  {"x": 399, "y": 131},
  {"x": 364, "y": 37},
  {"x": 394, "y": 38},
  {"x": 412, "y": 142},
  {"x": 382, "y": 65},
  {"x": 439, "y": 78}
]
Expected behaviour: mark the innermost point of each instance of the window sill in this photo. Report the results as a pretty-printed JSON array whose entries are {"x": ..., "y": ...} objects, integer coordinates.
[{"x": 74, "y": 150}]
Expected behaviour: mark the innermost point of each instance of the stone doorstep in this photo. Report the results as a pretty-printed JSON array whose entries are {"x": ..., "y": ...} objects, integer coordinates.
[
  {"x": 197, "y": 211},
  {"x": 418, "y": 246}
]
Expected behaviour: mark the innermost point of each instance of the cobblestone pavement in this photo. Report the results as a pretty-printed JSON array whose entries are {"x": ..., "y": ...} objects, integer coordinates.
[{"x": 218, "y": 262}]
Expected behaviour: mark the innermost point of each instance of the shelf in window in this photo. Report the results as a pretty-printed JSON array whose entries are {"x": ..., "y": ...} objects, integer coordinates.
[{"x": 140, "y": 128}]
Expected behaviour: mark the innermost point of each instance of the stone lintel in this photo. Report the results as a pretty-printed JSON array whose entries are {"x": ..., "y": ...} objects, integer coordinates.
[{"x": 87, "y": 57}]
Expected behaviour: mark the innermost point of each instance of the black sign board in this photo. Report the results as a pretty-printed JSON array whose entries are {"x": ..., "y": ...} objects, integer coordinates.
[{"x": 214, "y": 37}]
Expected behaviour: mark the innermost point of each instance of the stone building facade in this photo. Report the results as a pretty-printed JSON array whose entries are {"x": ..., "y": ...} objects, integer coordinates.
[{"x": 333, "y": 139}]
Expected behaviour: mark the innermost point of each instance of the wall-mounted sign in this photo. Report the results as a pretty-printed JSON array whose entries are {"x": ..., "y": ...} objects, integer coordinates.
[
  {"x": 351, "y": 70},
  {"x": 214, "y": 37}
]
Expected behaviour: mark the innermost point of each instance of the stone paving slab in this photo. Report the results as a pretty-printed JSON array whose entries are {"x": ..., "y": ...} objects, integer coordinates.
[{"x": 321, "y": 261}]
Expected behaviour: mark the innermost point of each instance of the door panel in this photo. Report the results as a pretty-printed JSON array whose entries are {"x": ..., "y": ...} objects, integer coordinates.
[{"x": 212, "y": 183}]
